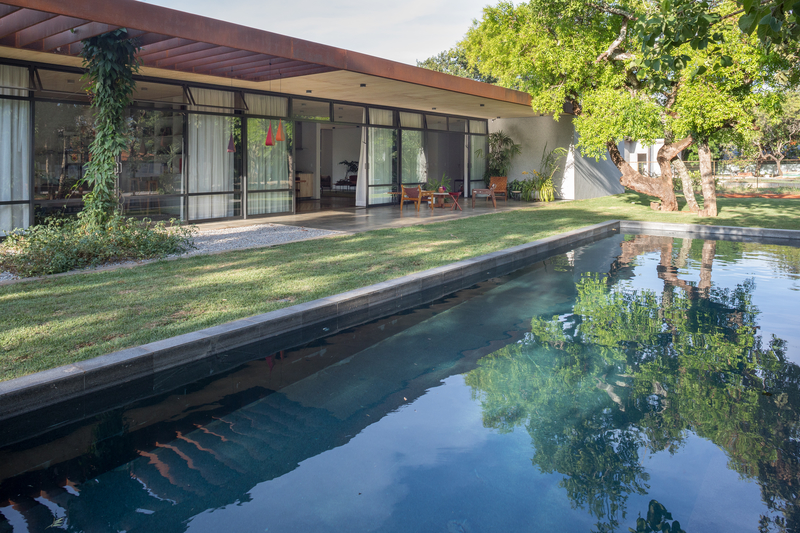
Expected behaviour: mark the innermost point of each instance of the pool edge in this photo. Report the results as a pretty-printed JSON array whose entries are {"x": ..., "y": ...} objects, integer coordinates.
[{"x": 324, "y": 316}]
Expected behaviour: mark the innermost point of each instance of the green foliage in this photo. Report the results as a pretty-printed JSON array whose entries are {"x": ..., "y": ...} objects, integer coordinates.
[
  {"x": 502, "y": 149},
  {"x": 110, "y": 63},
  {"x": 454, "y": 61},
  {"x": 673, "y": 25},
  {"x": 351, "y": 166},
  {"x": 60, "y": 245},
  {"x": 434, "y": 184}
]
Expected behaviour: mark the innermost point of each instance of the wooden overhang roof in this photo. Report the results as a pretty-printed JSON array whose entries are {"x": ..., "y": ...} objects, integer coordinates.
[{"x": 189, "y": 47}]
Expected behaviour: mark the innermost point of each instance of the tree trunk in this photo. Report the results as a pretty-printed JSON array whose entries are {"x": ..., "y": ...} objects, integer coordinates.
[
  {"x": 778, "y": 164},
  {"x": 688, "y": 190},
  {"x": 658, "y": 186},
  {"x": 707, "y": 181}
]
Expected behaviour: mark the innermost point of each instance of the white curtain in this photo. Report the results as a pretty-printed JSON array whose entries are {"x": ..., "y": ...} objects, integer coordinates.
[
  {"x": 14, "y": 148},
  {"x": 381, "y": 117},
  {"x": 267, "y": 169},
  {"x": 410, "y": 120},
  {"x": 361, "y": 180},
  {"x": 211, "y": 166},
  {"x": 477, "y": 126},
  {"x": 271, "y": 106}
]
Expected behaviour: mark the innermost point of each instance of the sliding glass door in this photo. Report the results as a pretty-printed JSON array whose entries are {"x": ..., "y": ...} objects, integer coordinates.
[
  {"x": 269, "y": 168},
  {"x": 382, "y": 164}
]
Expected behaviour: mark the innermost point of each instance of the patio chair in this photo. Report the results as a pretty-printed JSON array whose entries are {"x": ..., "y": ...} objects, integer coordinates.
[
  {"x": 499, "y": 184},
  {"x": 411, "y": 195}
]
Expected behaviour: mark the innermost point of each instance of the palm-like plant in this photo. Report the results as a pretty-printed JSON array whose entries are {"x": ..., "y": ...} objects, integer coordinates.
[{"x": 502, "y": 150}]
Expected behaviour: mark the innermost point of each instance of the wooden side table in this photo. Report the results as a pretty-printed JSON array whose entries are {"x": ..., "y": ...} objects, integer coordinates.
[{"x": 489, "y": 193}]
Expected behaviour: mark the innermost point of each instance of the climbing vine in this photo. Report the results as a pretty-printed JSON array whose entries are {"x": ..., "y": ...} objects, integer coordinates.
[{"x": 110, "y": 62}]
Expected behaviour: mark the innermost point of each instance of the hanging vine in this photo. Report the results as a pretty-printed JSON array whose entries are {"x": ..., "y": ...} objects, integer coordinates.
[{"x": 110, "y": 62}]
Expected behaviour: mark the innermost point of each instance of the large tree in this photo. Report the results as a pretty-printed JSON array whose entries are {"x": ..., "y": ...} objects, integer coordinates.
[{"x": 583, "y": 52}]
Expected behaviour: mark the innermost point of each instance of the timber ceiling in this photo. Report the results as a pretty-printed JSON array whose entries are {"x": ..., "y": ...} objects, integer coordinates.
[{"x": 186, "y": 47}]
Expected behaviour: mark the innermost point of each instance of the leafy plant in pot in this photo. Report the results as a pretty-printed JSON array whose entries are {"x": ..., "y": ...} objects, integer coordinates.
[
  {"x": 439, "y": 185},
  {"x": 351, "y": 166},
  {"x": 502, "y": 150}
]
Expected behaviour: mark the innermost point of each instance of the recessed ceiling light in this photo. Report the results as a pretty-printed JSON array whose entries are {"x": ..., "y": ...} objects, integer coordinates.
[
  {"x": 144, "y": 88},
  {"x": 433, "y": 108},
  {"x": 305, "y": 104},
  {"x": 308, "y": 91},
  {"x": 70, "y": 81},
  {"x": 363, "y": 84},
  {"x": 498, "y": 117},
  {"x": 483, "y": 105}
]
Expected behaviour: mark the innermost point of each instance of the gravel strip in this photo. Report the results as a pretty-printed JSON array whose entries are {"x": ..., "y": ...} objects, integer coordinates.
[{"x": 221, "y": 240}]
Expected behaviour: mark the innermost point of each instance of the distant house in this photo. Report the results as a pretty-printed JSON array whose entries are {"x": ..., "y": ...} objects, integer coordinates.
[{"x": 230, "y": 122}]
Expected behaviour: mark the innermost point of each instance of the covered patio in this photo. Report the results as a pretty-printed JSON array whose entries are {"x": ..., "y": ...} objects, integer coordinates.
[{"x": 357, "y": 220}]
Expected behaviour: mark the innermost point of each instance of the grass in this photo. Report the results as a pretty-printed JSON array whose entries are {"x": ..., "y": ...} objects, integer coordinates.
[{"x": 56, "y": 321}]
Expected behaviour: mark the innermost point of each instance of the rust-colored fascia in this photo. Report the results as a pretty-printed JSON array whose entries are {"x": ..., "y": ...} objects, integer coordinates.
[{"x": 156, "y": 19}]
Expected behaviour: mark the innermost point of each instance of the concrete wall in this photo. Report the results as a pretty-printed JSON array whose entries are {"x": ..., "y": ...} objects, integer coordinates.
[
  {"x": 579, "y": 177},
  {"x": 594, "y": 178}
]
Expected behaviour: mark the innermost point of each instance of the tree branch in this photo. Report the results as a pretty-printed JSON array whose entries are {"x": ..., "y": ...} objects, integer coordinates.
[{"x": 623, "y": 32}]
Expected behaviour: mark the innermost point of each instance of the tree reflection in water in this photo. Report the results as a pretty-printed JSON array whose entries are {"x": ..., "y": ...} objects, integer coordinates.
[{"x": 634, "y": 370}]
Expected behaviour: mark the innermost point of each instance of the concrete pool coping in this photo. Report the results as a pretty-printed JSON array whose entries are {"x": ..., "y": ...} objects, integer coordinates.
[{"x": 307, "y": 321}]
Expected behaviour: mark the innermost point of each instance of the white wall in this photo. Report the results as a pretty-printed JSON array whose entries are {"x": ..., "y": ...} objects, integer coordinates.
[
  {"x": 533, "y": 133},
  {"x": 579, "y": 177}
]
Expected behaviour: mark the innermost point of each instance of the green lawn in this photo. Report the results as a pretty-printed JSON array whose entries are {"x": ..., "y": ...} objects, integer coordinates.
[{"x": 44, "y": 324}]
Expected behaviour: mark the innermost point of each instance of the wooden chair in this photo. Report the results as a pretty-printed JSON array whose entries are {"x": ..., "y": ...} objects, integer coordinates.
[
  {"x": 411, "y": 195},
  {"x": 499, "y": 184}
]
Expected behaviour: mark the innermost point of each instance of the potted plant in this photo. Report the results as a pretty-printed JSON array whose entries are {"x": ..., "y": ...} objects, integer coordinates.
[
  {"x": 351, "y": 166},
  {"x": 502, "y": 150},
  {"x": 439, "y": 185}
]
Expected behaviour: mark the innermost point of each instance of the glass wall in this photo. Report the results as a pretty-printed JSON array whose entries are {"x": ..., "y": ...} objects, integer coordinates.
[
  {"x": 414, "y": 163},
  {"x": 269, "y": 168},
  {"x": 63, "y": 133},
  {"x": 15, "y": 149},
  {"x": 445, "y": 152},
  {"x": 478, "y": 148},
  {"x": 199, "y": 153},
  {"x": 382, "y": 164},
  {"x": 151, "y": 178},
  {"x": 214, "y": 146}
]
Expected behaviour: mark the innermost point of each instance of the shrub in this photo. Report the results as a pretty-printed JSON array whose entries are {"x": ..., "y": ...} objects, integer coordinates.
[{"x": 61, "y": 245}]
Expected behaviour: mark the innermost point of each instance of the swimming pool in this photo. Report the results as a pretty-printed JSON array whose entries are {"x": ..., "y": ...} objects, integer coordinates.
[{"x": 639, "y": 376}]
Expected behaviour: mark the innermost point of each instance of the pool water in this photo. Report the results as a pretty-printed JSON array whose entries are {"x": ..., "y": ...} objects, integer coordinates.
[{"x": 641, "y": 382}]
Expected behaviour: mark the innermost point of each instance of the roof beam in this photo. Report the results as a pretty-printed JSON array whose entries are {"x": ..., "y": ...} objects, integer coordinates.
[
  {"x": 304, "y": 70},
  {"x": 230, "y": 58},
  {"x": 7, "y": 10},
  {"x": 75, "y": 35},
  {"x": 163, "y": 45},
  {"x": 315, "y": 70},
  {"x": 39, "y": 32},
  {"x": 19, "y": 20},
  {"x": 251, "y": 63},
  {"x": 197, "y": 52}
]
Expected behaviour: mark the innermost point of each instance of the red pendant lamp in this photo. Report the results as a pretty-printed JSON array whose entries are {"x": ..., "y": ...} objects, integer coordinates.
[
  {"x": 231, "y": 146},
  {"x": 279, "y": 132},
  {"x": 269, "y": 141}
]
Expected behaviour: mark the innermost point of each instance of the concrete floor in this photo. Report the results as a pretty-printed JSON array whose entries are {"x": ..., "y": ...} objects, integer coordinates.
[{"x": 356, "y": 220}]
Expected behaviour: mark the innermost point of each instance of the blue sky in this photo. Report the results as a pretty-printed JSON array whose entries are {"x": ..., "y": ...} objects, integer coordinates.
[{"x": 402, "y": 31}]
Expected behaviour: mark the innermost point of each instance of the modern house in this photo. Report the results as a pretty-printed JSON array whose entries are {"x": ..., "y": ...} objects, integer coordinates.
[{"x": 232, "y": 122}]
